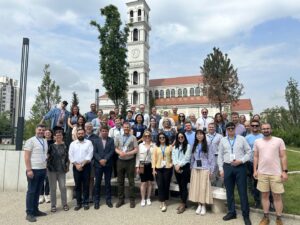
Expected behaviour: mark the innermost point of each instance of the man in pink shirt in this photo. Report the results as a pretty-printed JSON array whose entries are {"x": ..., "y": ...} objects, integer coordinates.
[{"x": 270, "y": 168}]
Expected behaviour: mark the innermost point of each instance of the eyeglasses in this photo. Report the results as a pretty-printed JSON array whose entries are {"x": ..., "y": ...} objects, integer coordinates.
[
  {"x": 162, "y": 137},
  {"x": 180, "y": 137},
  {"x": 204, "y": 112},
  {"x": 181, "y": 116},
  {"x": 230, "y": 128},
  {"x": 254, "y": 125},
  {"x": 147, "y": 136}
]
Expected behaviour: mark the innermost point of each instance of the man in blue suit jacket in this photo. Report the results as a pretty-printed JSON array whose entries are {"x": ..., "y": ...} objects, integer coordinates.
[{"x": 103, "y": 152}]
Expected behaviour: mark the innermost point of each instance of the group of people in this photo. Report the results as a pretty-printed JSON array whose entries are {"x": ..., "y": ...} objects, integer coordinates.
[{"x": 203, "y": 152}]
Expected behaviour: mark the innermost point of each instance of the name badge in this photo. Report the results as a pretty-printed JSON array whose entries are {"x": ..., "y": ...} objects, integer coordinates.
[
  {"x": 232, "y": 157},
  {"x": 138, "y": 134},
  {"x": 199, "y": 163},
  {"x": 163, "y": 163},
  {"x": 124, "y": 148}
]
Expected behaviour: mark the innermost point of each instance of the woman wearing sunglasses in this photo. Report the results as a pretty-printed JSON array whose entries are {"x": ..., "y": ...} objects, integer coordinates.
[
  {"x": 202, "y": 163},
  {"x": 143, "y": 167},
  {"x": 181, "y": 157},
  {"x": 162, "y": 167},
  {"x": 181, "y": 121}
]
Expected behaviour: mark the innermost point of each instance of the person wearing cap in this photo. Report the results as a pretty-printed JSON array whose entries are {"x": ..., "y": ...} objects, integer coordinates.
[
  {"x": 58, "y": 116},
  {"x": 234, "y": 152}
]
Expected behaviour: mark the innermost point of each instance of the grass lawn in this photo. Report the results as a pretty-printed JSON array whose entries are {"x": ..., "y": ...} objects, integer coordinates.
[{"x": 293, "y": 160}]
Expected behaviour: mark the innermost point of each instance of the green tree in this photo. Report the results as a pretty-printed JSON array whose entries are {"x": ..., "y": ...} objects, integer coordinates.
[
  {"x": 5, "y": 124},
  {"x": 75, "y": 99},
  {"x": 124, "y": 106},
  {"x": 113, "y": 65},
  {"x": 47, "y": 97},
  {"x": 220, "y": 79},
  {"x": 292, "y": 96}
]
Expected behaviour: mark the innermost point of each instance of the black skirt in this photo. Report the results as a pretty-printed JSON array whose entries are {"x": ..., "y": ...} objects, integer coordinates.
[{"x": 147, "y": 175}]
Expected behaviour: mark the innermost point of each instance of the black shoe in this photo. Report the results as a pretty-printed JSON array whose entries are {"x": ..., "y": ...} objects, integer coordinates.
[
  {"x": 229, "y": 216},
  {"x": 40, "y": 213},
  {"x": 30, "y": 218},
  {"x": 132, "y": 204},
  {"x": 96, "y": 206},
  {"x": 77, "y": 207},
  {"x": 120, "y": 203},
  {"x": 86, "y": 207},
  {"x": 247, "y": 221},
  {"x": 109, "y": 204}
]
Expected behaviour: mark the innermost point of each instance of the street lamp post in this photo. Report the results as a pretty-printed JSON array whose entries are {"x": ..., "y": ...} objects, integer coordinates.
[
  {"x": 97, "y": 99},
  {"x": 22, "y": 94}
]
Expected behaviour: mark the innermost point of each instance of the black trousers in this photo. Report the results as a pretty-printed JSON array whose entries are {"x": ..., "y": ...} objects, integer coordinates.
[
  {"x": 45, "y": 188},
  {"x": 82, "y": 184},
  {"x": 99, "y": 171},
  {"x": 183, "y": 179},
  {"x": 126, "y": 167},
  {"x": 163, "y": 180},
  {"x": 236, "y": 175},
  {"x": 252, "y": 183}
]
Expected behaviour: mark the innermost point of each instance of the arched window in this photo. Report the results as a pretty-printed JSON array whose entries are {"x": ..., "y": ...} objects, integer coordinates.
[
  {"x": 197, "y": 91},
  {"x": 184, "y": 92},
  {"x": 179, "y": 92},
  {"x": 150, "y": 94},
  {"x": 146, "y": 79},
  {"x": 192, "y": 92},
  {"x": 135, "y": 78},
  {"x": 173, "y": 93},
  {"x": 156, "y": 94},
  {"x": 168, "y": 93},
  {"x": 131, "y": 16},
  {"x": 146, "y": 36},
  {"x": 161, "y": 94},
  {"x": 135, "y": 35},
  {"x": 139, "y": 15},
  {"x": 135, "y": 97}
]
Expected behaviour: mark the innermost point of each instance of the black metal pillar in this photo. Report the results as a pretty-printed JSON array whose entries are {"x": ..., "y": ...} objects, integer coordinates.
[
  {"x": 97, "y": 99},
  {"x": 22, "y": 94}
]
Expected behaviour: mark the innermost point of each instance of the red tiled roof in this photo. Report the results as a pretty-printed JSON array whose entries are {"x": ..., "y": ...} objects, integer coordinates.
[
  {"x": 176, "y": 81},
  {"x": 182, "y": 101},
  {"x": 242, "y": 105},
  {"x": 104, "y": 96}
]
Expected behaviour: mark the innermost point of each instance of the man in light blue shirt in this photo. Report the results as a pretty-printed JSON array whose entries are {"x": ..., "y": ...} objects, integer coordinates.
[
  {"x": 189, "y": 133},
  {"x": 252, "y": 183}
]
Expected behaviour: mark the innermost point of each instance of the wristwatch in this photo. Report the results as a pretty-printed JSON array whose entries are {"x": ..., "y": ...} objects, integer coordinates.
[{"x": 286, "y": 171}]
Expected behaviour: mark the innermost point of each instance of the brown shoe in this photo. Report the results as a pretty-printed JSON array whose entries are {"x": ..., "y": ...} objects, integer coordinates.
[
  {"x": 279, "y": 221},
  {"x": 132, "y": 204},
  {"x": 181, "y": 210},
  {"x": 264, "y": 221},
  {"x": 120, "y": 203}
]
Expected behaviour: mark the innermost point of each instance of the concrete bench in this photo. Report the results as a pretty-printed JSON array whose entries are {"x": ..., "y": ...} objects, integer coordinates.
[{"x": 219, "y": 199}]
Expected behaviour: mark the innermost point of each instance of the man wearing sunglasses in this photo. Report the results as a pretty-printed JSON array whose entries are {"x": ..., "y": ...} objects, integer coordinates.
[
  {"x": 234, "y": 152},
  {"x": 252, "y": 183}
]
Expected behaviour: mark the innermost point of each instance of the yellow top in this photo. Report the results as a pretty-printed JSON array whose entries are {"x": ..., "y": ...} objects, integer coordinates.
[
  {"x": 175, "y": 118},
  {"x": 158, "y": 157}
]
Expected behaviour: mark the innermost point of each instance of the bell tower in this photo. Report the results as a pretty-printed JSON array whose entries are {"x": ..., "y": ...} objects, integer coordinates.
[{"x": 138, "y": 52}]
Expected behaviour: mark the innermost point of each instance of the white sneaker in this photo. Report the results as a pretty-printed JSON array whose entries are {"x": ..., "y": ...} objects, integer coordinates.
[
  {"x": 203, "y": 210},
  {"x": 143, "y": 203},
  {"x": 47, "y": 198},
  {"x": 41, "y": 199},
  {"x": 198, "y": 210},
  {"x": 148, "y": 201},
  {"x": 164, "y": 208}
]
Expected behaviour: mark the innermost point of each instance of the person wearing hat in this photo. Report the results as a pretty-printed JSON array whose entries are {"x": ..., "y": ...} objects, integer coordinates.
[
  {"x": 58, "y": 116},
  {"x": 234, "y": 152}
]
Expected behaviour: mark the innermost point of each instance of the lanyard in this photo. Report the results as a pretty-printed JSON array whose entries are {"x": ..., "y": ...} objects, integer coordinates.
[
  {"x": 211, "y": 138},
  {"x": 231, "y": 143},
  {"x": 125, "y": 140},
  {"x": 199, "y": 150},
  {"x": 163, "y": 150},
  {"x": 42, "y": 144},
  {"x": 204, "y": 121}
]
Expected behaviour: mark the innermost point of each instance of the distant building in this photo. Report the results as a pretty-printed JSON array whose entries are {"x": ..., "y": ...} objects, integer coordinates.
[
  {"x": 186, "y": 92},
  {"x": 9, "y": 92}
]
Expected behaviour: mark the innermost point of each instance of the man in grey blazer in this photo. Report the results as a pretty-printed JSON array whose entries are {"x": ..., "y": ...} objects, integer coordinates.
[{"x": 103, "y": 152}]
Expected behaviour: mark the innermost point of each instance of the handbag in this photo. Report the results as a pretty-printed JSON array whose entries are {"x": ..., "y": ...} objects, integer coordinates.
[{"x": 142, "y": 164}]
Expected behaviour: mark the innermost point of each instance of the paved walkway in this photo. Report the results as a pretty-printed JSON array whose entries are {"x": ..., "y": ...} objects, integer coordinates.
[{"x": 12, "y": 211}]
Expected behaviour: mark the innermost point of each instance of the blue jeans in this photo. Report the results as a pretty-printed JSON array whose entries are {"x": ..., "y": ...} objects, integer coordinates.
[{"x": 33, "y": 191}]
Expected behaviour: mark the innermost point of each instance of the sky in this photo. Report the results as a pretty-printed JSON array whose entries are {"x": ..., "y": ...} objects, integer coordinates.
[{"x": 261, "y": 37}]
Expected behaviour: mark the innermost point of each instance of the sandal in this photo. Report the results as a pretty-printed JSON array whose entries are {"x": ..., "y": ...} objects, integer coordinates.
[
  {"x": 53, "y": 209},
  {"x": 66, "y": 207}
]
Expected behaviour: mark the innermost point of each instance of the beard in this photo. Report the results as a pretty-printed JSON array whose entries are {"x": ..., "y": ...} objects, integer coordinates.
[
  {"x": 267, "y": 134},
  {"x": 80, "y": 138}
]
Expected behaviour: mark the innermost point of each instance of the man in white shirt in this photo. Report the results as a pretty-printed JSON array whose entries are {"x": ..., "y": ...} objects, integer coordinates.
[
  {"x": 35, "y": 154},
  {"x": 80, "y": 155},
  {"x": 204, "y": 120}
]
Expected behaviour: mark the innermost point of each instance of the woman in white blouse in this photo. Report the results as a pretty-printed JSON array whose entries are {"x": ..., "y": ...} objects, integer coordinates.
[{"x": 143, "y": 167}]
